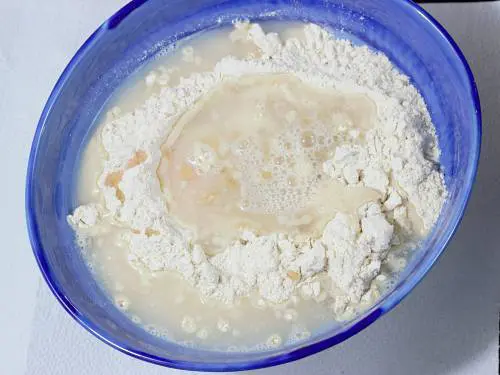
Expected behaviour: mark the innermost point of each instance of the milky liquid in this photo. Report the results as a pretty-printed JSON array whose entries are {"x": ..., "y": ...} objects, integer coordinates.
[
  {"x": 249, "y": 157},
  {"x": 267, "y": 137}
]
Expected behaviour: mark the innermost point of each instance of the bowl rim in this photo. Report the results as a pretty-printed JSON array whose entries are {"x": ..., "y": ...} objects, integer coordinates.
[{"x": 295, "y": 354}]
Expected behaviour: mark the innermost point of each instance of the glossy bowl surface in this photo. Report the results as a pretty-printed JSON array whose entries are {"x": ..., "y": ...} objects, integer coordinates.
[{"x": 414, "y": 41}]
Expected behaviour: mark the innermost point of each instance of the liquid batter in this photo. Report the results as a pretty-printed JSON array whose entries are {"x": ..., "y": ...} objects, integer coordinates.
[{"x": 248, "y": 156}]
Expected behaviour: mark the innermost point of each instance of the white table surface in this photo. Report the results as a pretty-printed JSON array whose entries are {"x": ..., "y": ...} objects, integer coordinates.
[{"x": 448, "y": 325}]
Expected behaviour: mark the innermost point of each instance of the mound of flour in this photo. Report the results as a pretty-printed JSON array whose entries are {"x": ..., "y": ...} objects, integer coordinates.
[{"x": 398, "y": 158}]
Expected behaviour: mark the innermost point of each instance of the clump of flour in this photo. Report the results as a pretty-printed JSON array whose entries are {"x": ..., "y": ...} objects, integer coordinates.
[{"x": 398, "y": 158}]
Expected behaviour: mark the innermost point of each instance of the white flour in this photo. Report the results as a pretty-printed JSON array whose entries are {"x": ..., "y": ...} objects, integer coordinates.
[{"x": 398, "y": 158}]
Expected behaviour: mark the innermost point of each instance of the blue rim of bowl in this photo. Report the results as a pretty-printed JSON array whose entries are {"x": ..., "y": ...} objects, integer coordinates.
[{"x": 273, "y": 360}]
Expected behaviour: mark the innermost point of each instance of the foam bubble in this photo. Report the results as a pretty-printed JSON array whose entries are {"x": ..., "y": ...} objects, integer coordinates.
[
  {"x": 290, "y": 168},
  {"x": 223, "y": 325},
  {"x": 202, "y": 334},
  {"x": 188, "y": 324},
  {"x": 274, "y": 341},
  {"x": 153, "y": 330}
]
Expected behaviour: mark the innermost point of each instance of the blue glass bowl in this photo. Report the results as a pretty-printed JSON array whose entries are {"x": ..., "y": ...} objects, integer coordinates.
[{"x": 414, "y": 41}]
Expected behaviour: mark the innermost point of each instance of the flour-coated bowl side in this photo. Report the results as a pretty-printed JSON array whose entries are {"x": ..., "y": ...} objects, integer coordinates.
[{"x": 412, "y": 40}]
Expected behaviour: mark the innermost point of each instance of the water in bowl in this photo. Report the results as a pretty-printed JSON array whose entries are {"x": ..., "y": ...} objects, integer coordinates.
[{"x": 214, "y": 207}]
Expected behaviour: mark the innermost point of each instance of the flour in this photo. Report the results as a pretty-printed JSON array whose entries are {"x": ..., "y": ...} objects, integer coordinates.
[
  {"x": 397, "y": 157},
  {"x": 356, "y": 249},
  {"x": 86, "y": 216}
]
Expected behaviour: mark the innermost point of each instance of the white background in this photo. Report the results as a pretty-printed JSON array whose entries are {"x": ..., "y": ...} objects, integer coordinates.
[{"x": 448, "y": 325}]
